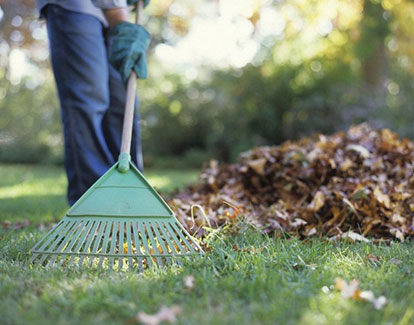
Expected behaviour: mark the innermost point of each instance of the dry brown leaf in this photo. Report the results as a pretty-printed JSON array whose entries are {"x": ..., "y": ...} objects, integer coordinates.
[
  {"x": 258, "y": 165},
  {"x": 346, "y": 164},
  {"x": 310, "y": 232},
  {"x": 360, "y": 149},
  {"x": 398, "y": 234},
  {"x": 373, "y": 258},
  {"x": 396, "y": 218},
  {"x": 6, "y": 224},
  {"x": 382, "y": 198},
  {"x": 353, "y": 236},
  {"x": 165, "y": 314},
  {"x": 357, "y": 181},
  {"x": 317, "y": 202},
  {"x": 297, "y": 222}
]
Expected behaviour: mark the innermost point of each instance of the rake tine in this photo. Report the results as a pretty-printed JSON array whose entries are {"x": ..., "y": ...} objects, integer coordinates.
[
  {"x": 176, "y": 239},
  {"x": 73, "y": 241},
  {"x": 121, "y": 245},
  {"x": 153, "y": 243},
  {"x": 60, "y": 235},
  {"x": 104, "y": 247},
  {"x": 160, "y": 240},
  {"x": 97, "y": 241},
  {"x": 137, "y": 245},
  {"x": 45, "y": 240},
  {"x": 85, "y": 226},
  {"x": 174, "y": 251},
  {"x": 113, "y": 241},
  {"x": 141, "y": 230},
  {"x": 190, "y": 247},
  {"x": 165, "y": 234},
  {"x": 63, "y": 243},
  {"x": 128, "y": 233},
  {"x": 89, "y": 241},
  {"x": 180, "y": 226}
]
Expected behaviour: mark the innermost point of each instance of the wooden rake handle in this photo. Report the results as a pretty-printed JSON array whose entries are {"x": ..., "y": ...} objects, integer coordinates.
[{"x": 129, "y": 105}]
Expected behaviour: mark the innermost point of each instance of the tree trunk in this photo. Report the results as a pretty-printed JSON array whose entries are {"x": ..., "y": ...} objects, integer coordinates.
[{"x": 371, "y": 48}]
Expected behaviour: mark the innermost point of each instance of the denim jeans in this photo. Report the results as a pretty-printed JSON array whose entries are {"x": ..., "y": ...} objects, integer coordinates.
[{"x": 92, "y": 98}]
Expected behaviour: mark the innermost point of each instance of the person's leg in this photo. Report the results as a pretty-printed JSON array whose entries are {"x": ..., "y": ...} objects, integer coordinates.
[
  {"x": 80, "y": 66},
  {"x": 113, "y": 120}
]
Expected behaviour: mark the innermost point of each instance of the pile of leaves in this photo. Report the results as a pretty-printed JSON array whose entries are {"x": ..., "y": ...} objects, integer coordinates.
[{"x": 359, "y": 182}]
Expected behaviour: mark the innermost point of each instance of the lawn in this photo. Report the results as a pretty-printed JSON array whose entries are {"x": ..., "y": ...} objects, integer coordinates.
[{"x": 245, "y": 278}]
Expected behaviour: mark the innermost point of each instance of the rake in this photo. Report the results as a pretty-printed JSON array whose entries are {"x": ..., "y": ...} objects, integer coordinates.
[{"x": 121, "y": 222}]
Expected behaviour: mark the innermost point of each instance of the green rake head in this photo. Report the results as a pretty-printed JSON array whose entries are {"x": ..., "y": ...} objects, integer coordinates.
[{"x": 121, "y": 222}]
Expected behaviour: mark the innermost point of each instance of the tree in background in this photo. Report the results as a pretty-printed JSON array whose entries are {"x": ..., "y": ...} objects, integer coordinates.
[{"x": 228, "y": 75}]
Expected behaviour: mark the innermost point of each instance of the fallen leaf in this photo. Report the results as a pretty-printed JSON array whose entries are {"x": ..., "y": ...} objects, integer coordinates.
[
  {"x": 357, "y": 180},
  {"x": 165, "y": 314},
  {"x": 6, "y": 224},
  {"x": 346, "y": 164},
  {"x": 188, "y": 282},
  {"x": 350, "y": 205},
  {"x": 297, "y": 222},
  {"x": 396, "y": 218},
  {"x": 21, "y": 225},
  {"x": 312, "y": 231},
  {"x": 352, "y": 236},
  {"x": 258, "y": 165},
  {"x": 378, "y": 303},
  {"x": 317, "y": 202},
  {"x": 125, "y": 248},
  {"x": 256, "y": 249},
  {"x": 395, "y": 261},
  {"x": 382, "y": 198},
  {"x": 360, "y": 149},
  {"x": 398, "y": 234},
  {"x": 350, "y": 290},
  {"x": 373, "y": 258},
  {"x": 353, "y": 291}
]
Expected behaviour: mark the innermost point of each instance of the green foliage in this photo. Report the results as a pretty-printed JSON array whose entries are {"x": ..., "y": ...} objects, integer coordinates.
[
  {"x": 305, "y": 80},
  {"x": 239, "y": 109},
  {"x": 29, "y": 124}
]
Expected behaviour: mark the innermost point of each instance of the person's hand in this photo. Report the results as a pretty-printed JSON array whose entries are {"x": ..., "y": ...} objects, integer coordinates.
[
  {"x": 129, "y": 49},
  {"x": 134, "y": 2}
]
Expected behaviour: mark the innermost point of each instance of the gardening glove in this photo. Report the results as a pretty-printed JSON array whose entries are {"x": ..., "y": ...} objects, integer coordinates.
[
  {"x": 129, "y": 49},
  {"x": 134, "y": 2}
]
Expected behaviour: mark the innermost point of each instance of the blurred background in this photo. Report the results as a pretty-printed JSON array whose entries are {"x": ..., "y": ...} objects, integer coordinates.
[{"x": 227, "y": 75}]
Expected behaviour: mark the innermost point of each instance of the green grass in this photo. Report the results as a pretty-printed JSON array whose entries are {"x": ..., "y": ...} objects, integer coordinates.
[{"x": 279, "y": 282}]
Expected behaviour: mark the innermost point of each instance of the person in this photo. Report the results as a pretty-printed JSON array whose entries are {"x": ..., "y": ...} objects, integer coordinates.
[{"x": 93, "y": 49}]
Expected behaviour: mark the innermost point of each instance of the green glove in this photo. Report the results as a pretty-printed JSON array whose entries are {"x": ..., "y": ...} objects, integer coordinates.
[
  {"x": 129, "y": 49},
  {"x": 134, "y": 2}
]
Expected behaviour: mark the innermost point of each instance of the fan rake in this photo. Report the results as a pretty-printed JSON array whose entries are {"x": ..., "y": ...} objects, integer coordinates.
[
  {"x": 115, "y": 244},
  {"x": 121, "y": 222}
]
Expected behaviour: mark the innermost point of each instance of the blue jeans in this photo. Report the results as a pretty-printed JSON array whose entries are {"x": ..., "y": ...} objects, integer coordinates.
[{"x": 92, "y": 98}]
